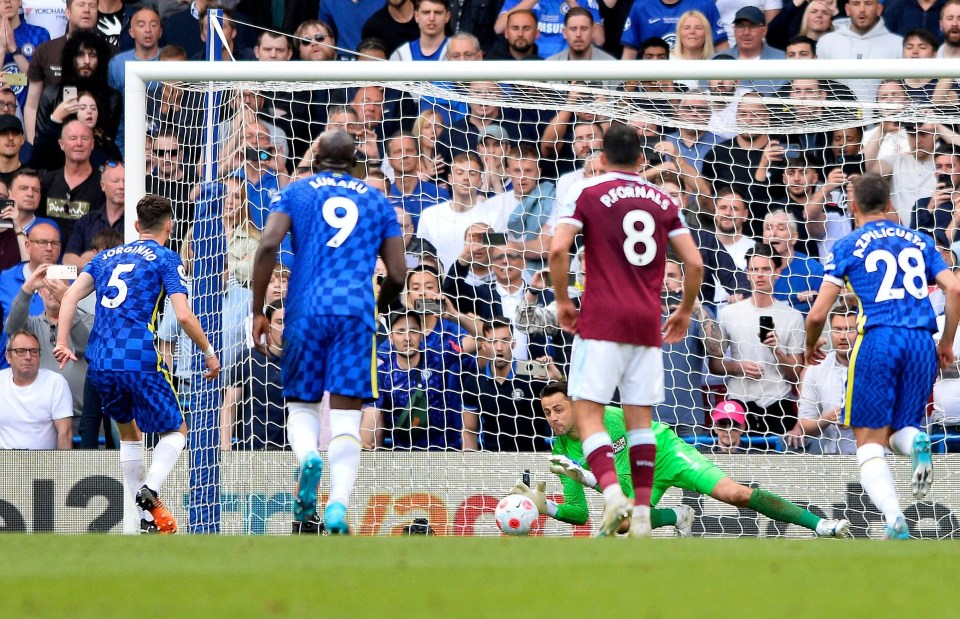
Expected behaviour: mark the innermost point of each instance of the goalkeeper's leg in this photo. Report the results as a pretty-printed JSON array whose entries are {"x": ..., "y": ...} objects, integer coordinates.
[
  {"x": 303, "y": 433},
  {"x": 776, "y": 508},
  {"x": 344, "y": 455}
]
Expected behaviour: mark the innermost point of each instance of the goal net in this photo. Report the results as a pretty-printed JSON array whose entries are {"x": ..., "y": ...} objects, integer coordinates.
[{"x": 478, "y": 159}]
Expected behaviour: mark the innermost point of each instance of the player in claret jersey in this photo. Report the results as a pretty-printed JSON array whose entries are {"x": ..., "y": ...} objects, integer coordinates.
[
  {"x": 894, "y": 361},
  {"x": 627, "y": 224},
  {"x": 131, "y": 282}
]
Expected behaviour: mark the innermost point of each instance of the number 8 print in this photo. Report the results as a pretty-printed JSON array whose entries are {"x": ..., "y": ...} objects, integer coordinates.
[{"x": 643, "y": 236}]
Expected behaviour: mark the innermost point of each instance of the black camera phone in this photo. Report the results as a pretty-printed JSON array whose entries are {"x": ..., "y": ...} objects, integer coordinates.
[{"x": 766, "y": 327}]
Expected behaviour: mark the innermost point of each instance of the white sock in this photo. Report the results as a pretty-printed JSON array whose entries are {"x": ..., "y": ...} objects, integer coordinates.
[
  {"x": 303, "y": 428},
  {"x": 901, "y": 441},
  {"x": 640, "y": 436},
  {"x": 343, "y": 454},
  {"x": 877, "y": 481},
  {"x": 165, "y": 456},
  {"x": 131, "y": 463},
  {"x": 641, "y": 510}
]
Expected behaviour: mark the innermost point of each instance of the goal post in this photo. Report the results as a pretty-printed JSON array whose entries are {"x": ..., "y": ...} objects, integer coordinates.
[{"x": 546, "y": 87}]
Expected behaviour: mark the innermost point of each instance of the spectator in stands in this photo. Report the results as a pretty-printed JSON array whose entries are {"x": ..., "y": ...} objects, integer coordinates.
[
  {"x": 11, "y": 141},
  {"x": 24, "y": 190},
  {"x": 950, "y": 29},
  {"x": 173, "y": 178},
  {"x": 867, "y": 37},
  {"x": 509, "y": 288},
  {"x": 315, "y": 40},
  {"x": 254, "y": 415},
  {"x": 369, "y": 102},
  {"x": 692, "y": 142},
  {"x": 242, "y": 236},
  {"x": 46, "y": 148},
  {"x": 750, "y": 26},
  {"x": 44, "y": 326},
  {"x": 762, "y": 372},
  {"x": 188, "y": 30},
  {"x": 413, "y": 194},
  {"x": 19, "y": 41},
  {"x": 530, "y": 209},
  {"x": 905, "y": 15},
  {"x": 744, "y": 161},
  {"x": 820, "y": 410},
  {"x": 684, "y": 361},
  {"x": 890, "y": 134},
  {"x": 809, "y": 18},
  {"x": 348, "y": 17},
  {"x": 262, "y": 169},
  {"x": 729, "y": 423},
  {"x": 470, "y": 280},
  {"x": 146, "y": 31},
  {"x": 846, "y": 150},
  {"x": 724, "y": 102},
  {"x": 85, "y": 60},
  {"x": 550, "y": 23},
  {"x": 800, "y": 47},
  {"x": 921, "y": 43},
  {"x": 417, "y": 389},
  {"x": 80, "y": 248},
  {"x": 429, "y": 129},
  {"x": 394, "y": 24},
  {"x": 492, "y": 145},
  {"x": 730, "y": 217},
  {"x": 659, "y": 19},
  {"x": 485, "y": 117},
  {"x": 432, "y": 17},
  {"x": 693, "y": 38},
  {"x": 805, "y": 198},
  {"x": 35, "y": 404},
  {"x": 587, "y": 139},
  {"x": 937, "y": 213},
  {"x": 500, "y": 410},
  {"x": 445, "y": 224},
  {"x": 46, "y": 63},
  {"x": 273, "y": 46},
  {"x": 74, "y": 190},
  {"x": 799, "y": 276},
  {"x": 520, "y": 37},
  {"x": 914, "y": 172},
  {"x": 578, "y": 30}
]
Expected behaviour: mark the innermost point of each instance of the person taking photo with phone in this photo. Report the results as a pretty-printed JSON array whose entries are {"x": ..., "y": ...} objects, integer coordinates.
[{"x": 761, "y": 352}]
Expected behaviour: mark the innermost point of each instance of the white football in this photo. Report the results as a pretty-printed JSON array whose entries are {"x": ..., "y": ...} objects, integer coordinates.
[{"x": 516, "y": 514}]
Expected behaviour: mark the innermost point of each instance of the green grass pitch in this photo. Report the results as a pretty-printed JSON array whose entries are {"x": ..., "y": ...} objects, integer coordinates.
[{"x": 101, "y": 577}]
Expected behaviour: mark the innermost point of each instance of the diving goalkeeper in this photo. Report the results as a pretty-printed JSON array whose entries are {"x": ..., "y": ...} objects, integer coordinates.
[{"x": 678, "y": 465}]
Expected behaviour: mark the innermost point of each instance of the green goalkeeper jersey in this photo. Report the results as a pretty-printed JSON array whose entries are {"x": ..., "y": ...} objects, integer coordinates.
[{"x": 677, "y": 465}]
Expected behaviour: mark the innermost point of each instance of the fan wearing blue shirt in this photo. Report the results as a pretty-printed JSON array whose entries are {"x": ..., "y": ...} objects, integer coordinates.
[{"x": 659, "y": 18}]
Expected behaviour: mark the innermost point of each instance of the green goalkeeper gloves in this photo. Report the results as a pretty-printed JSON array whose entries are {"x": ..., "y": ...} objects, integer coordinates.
[
  {"x": 538, "y": 496},
  {"x": 562, "y": 465}
]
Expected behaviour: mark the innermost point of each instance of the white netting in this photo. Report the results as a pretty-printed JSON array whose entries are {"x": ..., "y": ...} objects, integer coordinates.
[{"x": 792, "y": 150}]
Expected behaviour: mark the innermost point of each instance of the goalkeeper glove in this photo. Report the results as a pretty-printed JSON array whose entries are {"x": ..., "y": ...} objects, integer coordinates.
[
  {"x": 562, "y": 465},
  {"x": 538, "y": 496}
]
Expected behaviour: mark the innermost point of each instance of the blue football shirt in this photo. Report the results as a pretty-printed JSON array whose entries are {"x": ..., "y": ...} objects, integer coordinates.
[
  {"x": 131, "y": 283},
  {"x": 890, "y": 269},
  {"x": 28, "y": 38},
  {"x": 337, "y": 225},
  {"x": 550, "y": 15},
  {"x": 656, "y": 19}
]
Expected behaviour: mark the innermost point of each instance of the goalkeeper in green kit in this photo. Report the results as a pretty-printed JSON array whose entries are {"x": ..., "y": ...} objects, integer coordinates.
[{"x": 678, "y": 465}]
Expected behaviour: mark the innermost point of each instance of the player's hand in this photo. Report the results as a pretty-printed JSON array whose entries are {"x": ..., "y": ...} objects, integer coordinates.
[
  {"x": 261, "y": 333},
  {"x": 537, "y": 495},
  {"x": 567, "y": 315},
  {"x": 63, "y": 354},
  {"x": 676, "y": 326},
  {"x": 815, "y": 354},
  {"x": 945, "y": 353},
  {"x": 562, "y": 465},
  {"x": 213, "y": 367}
]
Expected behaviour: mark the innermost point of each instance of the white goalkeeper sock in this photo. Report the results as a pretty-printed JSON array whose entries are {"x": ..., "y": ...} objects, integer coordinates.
[
  {"x": 165, "y": 456},
  {"x": 901, "y": 441},
  {"x": 344, "y": 453},
  {"x": 303, "y": 428},
  {"x": 877, "y": 481},
  {"x": 131, "y": 463}
]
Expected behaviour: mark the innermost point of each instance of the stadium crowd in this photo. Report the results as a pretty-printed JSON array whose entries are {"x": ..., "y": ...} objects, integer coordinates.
[{"x": 478, "y": 185}]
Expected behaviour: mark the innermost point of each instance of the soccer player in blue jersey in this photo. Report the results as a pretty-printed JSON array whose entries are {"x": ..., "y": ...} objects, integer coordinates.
[
  {"x": 131, "y": 282},
  {"x": 894, "y": 360},
  {"x": 338, "y": 225}
]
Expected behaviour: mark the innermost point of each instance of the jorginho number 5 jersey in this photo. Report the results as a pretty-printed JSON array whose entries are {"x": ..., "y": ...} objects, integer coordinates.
[
  {"x": 890, "y": 269},
  {"x": 626, "y": 223},
  {"x": 131, "y": 283}
]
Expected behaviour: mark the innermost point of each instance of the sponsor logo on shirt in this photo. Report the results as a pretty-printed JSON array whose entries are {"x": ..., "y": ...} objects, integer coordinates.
[{"x": 620, "y": 444}]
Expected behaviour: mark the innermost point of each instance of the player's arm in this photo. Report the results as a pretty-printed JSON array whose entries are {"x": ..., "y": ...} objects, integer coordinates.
[
  {"x": 393, "y": 255},
  {"x": 278, "y": 224},
  {"x": 948, "y": 281},
  {"x": 471, "y": 430},
  {"x": 80, "y": 288},
  {"x": 191, "y": 326},
  {"x": 676, "y": 326},
  {"x": 817, "y": 318},
  {"x": 559, "y": 268}
]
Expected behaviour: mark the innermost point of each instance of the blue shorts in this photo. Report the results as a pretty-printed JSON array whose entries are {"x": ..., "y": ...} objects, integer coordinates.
[
  {"x": 890, "y": 378},
  {"x": 328, "y": 353},
  {"x": 145, "y": 397}
]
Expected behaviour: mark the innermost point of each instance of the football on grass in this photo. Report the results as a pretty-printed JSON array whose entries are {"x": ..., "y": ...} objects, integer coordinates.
[{"x": 516, "y": 514}]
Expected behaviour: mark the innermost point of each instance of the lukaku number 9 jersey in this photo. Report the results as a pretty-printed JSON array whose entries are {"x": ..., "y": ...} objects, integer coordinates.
[
  {"x": 131, "y": 282},
  {"x": 890, "y": 269}
]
